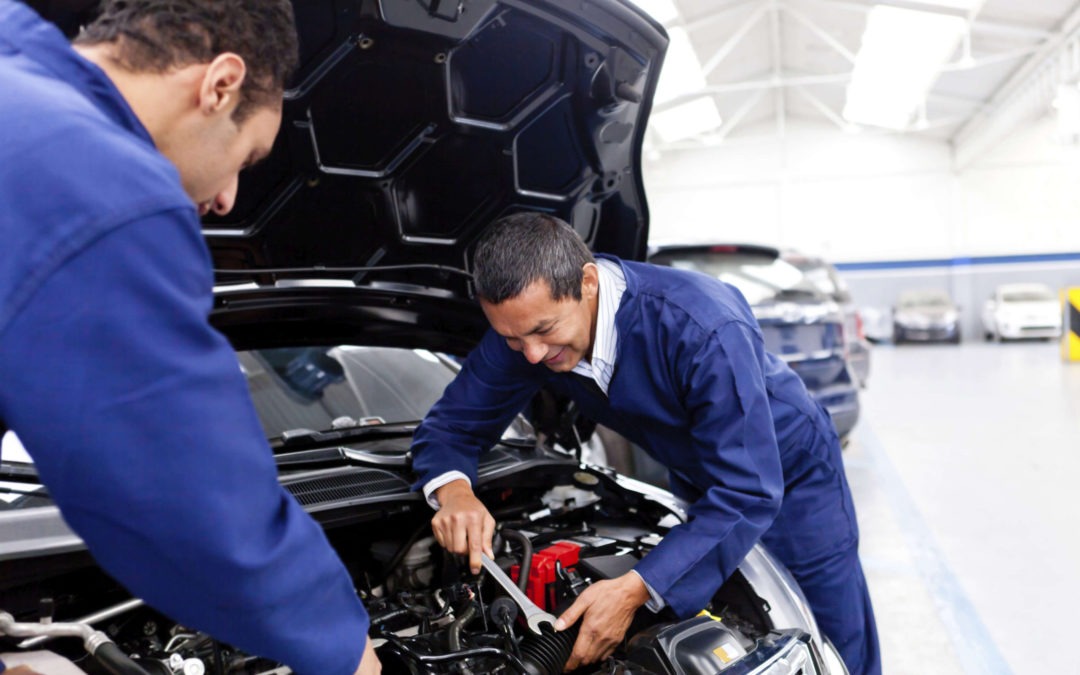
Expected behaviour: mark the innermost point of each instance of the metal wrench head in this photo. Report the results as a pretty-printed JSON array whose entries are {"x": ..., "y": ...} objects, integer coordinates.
[
  {"x": 540, "y": 617},
  {"x": 534, "y": 616}
]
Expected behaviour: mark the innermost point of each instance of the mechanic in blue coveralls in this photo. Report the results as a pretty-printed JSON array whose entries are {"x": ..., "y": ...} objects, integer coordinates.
[
  {"x": 133, "y": 408},
  {"x": 674, "y": 361}
]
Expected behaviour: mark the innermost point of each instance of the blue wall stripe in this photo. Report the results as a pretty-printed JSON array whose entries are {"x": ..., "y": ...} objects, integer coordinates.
[{"x": 958, "y": 262}]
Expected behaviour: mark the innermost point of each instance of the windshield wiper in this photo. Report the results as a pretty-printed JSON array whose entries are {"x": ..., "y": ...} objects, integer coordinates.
[
  {"x": 310, "y": 437},
  {"x": 334, "y": 457}
]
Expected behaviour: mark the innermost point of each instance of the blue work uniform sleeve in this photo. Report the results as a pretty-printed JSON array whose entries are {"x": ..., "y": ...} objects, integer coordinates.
[
  {"x": 140, "y": 423},
  {"x": 736, "y": 455},
  {"x": 495, "y": 384}
]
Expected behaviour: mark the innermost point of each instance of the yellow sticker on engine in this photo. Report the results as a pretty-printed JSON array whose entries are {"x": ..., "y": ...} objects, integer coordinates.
[{"x": 722, "y": 654}]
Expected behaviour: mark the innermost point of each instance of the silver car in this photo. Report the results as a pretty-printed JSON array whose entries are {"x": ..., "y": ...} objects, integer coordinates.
[{"x": 926, "y": 316}]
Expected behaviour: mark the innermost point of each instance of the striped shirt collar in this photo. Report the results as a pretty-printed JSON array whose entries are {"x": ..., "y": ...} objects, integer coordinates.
[{"x": 612, "y": 286}]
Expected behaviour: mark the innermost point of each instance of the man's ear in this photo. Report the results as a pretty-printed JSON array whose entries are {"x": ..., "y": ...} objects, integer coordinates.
[
  {"x": 220, "y": 87},
  {"x": 590, "y": 280}
]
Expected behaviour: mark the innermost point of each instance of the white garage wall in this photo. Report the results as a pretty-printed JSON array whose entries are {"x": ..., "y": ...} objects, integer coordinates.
[
  {"x": 1024, "y": 197},
  {"x": 865, "y": 198}
]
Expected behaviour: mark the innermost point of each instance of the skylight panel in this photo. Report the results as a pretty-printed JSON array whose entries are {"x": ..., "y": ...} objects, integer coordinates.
[
  {"x": 682, "y": 76},
  {"x": 663, "y": 11},
  {"x": 902, "y": 54},
  {"x": 686, "y": 120},
  {"x": 682, "y": 73}
]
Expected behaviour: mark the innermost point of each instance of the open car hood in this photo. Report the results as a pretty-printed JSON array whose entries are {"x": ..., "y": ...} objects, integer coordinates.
[{"x": 413, "y": 124}]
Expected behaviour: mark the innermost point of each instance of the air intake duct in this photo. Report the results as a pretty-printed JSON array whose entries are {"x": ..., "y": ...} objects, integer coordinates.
[{"x": 547, "y": 654}]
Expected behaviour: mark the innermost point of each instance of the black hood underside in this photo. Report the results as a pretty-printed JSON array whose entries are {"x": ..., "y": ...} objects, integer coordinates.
[{"x": 412, "y": 124}]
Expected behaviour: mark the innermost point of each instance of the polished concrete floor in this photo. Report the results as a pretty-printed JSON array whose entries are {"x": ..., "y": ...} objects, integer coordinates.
[{"x": 965, "y": 468}]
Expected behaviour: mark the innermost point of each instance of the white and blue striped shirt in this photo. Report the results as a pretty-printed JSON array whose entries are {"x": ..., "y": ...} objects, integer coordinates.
[{"x": 605, "y": 345}]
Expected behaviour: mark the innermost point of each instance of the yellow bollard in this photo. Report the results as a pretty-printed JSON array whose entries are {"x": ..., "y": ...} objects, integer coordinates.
[{"x": 1070, "y": 324}]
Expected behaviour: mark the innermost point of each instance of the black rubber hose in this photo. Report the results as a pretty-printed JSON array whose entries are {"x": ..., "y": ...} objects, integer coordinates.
[
  {"x": 546, "y": 654},
  {"x": 454, "y": 635},
  {"x": 397, "y": 644},
  {"x": 115, "y": 661},
  {"x": 526, "y": 555},
  {"x": 389, "y": 615}
]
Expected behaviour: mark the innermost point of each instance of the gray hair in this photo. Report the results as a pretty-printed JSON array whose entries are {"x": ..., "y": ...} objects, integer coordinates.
[{"x": 520, "y": 249}]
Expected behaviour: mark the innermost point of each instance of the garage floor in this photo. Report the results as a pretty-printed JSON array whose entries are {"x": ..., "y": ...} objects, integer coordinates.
[{"x": 965, "y": 468}]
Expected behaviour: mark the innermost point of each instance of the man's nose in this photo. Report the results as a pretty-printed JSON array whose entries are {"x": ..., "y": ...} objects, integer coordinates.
[
  {"x": 535, "y": 351},
  {"x": 224, "y": 201}
]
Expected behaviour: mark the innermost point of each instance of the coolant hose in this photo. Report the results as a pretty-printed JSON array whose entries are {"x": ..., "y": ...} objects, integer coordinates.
[
  {"x": 526, "y": 555},
  {"x": 454, "y": 635}
]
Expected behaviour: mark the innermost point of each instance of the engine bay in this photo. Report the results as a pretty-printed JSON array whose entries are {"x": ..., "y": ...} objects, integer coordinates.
[{"x": 429, "y": 614}]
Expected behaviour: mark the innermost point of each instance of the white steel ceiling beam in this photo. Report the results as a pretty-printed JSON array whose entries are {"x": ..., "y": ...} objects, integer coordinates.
[
  {"x": 1025, "y": 96},
  {"x": 820, "y": 32},
  {"x": 978, "y": 25},
  {"x": 777, "y": 67},
  {"x": 826, "y": 112},
  {"x": 732, "y": 42},
  {"x": 738, "y": 116}
]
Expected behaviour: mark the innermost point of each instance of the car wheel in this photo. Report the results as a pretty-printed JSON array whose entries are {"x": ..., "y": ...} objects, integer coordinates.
[
  {"x": 988, "y": 336},
  {"x": 898, "y": 335}
]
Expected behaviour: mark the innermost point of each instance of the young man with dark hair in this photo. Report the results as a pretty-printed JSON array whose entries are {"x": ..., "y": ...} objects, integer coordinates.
[
  {"x": 675, "y": 362},
  {"x": 133, "y": 408}
]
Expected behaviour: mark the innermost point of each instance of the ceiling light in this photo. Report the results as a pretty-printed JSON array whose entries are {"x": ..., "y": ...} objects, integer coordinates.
[
  {"x": 901, "y": 57},
  {"x": 663, "y": 11},
  {"x": 682, "y": 73},
  {"x": 686, "y": 120},
  {"x": 964, "y": 5}
]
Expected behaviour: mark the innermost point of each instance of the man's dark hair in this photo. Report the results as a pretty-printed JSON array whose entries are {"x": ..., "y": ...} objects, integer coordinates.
[
  {"x": 523, "y": 248},
  {"x": 158, "y": 35}
]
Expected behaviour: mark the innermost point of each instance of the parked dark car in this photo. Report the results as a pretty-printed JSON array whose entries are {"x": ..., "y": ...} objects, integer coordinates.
[
  {"x": 926, "y": 316},
  {"x": 343, "y": 278},
  {"x": 823, "y": 274},
  {"x": 800, "y": 323}
]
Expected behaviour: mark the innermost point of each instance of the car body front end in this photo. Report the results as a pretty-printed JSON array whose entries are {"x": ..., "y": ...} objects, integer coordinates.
[
  {"x": 1022, "y": 311},
  {"x": 799, "y": 324},
  {"x": 926, "y": 316}
]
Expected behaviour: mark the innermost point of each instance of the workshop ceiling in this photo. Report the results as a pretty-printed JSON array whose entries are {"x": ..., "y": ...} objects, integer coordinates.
[{"x": 766, "y": 62}]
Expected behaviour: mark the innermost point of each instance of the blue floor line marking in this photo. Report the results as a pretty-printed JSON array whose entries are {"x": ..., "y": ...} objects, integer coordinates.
[{"x": 975, "y": 648}]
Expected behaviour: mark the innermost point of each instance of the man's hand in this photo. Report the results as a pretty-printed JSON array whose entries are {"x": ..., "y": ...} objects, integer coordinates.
[
  {"x": 609, "y": 608},
  {"x": 369, "y": 662},
  {"x": 462, "y": 524}
]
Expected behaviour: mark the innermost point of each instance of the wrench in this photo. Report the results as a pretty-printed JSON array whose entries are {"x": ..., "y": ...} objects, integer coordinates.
[{"x": 534, "y": 616}]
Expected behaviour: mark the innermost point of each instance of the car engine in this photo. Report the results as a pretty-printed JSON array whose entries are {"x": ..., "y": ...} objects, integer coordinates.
[{"x": 429, "y": 614}]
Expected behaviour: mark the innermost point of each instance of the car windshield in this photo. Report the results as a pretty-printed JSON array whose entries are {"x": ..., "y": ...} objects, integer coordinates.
[
  {"x": 929, "y": 299},
  {"x": 321, "y": 388},
  {"x": 822, "y": 275},
  {"x": 760, "y": 278},
  {"x": 1029, "y": 295}
]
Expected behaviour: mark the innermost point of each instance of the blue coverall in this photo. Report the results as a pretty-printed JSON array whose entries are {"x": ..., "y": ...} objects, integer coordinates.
[
  {"x": 744, "y": 442},
  {"x": 134, "y": 409}
]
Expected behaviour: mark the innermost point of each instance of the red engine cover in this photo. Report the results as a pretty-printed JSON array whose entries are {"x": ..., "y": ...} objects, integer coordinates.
[{"x": 540, "y": 588}]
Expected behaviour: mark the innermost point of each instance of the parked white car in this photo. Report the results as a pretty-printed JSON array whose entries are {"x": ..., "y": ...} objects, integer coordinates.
[{"x": 1017, "y": 311}]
